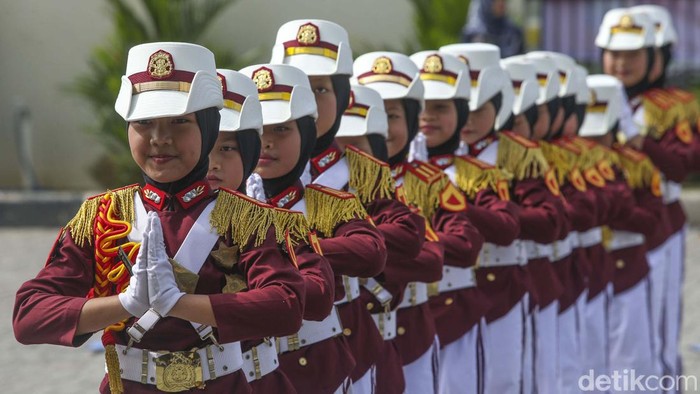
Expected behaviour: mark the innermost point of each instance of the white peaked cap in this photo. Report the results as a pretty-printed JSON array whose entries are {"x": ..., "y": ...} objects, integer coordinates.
[
  {"x": 603, "y": 110},
  {"x": 365, "y": 114}
]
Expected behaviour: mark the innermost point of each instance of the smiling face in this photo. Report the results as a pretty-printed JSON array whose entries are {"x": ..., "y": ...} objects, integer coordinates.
[
  {"x": 225, "y": 163},
  {"x": 629, "y": 67},
  {"x": 322, "y": 86},
  {"x": 479, "y": 123},
  {"x": 281, "y": 148},
  {"x": 438, "y": 121},
  {"x": 398, "y": 128},
  {"x": 166, "y": 149}
]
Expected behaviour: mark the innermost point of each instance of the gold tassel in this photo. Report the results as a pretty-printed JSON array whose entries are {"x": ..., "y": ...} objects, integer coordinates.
[
  {"x": 124, "y": 199},
  {"x": 424, "y": 194},
  {"x": 522, "y": 161},
  {"x": 660, "y": 112},
  {"x": 561, "y": 160},
  {"x": 369, "y": 178},
  {"x": 113, "y": 370},
  {"x": 639, "y": 170},
  {"x": 326, "y": 208},
  {"x": 607, "y": 237},
  {"x": 294, "y": 222},
  {"x": 244, "y": 217},
  {"x": 472, "y": 178}
]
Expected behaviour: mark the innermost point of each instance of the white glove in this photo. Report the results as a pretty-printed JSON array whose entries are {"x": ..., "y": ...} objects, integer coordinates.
[
  {"x": 135, "y": 298},
  {"x": 162, "y": 288}
]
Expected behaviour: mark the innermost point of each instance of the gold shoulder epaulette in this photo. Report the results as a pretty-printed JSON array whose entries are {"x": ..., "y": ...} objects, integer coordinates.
[
  {"x": 369, "y": 178},
  {"x": 81, "y": 226},
  {"x": 326, "y": 208},
  {"x": 660, "y": 112},
  {"x": 561, "y": 160},
  {"x": 423, "y": 184},
  {"x": 244, "y": 217},
  {"x": 474, "y": 175},
  {"x": 521, "y": 157},
  {"x": 689, "y": 107},
  {"x": 639, "y": 170},
  {"x": 293, "y": 223}
]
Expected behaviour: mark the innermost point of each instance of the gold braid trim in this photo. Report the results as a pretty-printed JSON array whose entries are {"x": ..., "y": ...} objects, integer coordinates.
[
  {"x": 472, "y": 178},
  {"x": 522, "y": 161},
  {"x": 113, "y": 376},
  {"x": 639, "y": 170},
  {"x": 424, "y": 194},
  {"x": 369, "y": 178},
  {"x": 562, "y": 161},
  {"x": 326, "y": 208},
  {"x": 293, "y": 222},
  {"x": 660, "y": 112},
  {"x": 82, "y": 225},
  {"x": 244, "y": 217}
]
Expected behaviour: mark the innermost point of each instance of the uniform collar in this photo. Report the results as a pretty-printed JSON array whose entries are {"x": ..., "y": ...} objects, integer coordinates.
[
  {"x": 325, "y": 159},
  {"x": 187, "y": 197},
  {"x": 288, "y": 197},
  {"x": 479, "y": 146},
  {"x": 442, "y": 161}
]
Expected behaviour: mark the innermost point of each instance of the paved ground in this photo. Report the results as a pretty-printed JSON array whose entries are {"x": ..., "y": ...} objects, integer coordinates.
[{"x": 52, "y": 369}]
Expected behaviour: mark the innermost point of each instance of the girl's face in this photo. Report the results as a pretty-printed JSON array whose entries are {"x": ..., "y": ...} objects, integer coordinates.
[
  {"x": 521, "y": 126},
  {"x": 571, "y": 126},
  {"x": 541, "y": 127},
  {"x": 281, "y": 148},
  {"x": 360, "y": 142},
  {"x": 479, "y": 123},
  {"x": 438, "y": 121},
  {"x": 629, "y": 67},
  {"x": 322, "y": 86},
  {"x": 166, "y": 149},
  {"x": 658, "y": 67},
  {"x": 225, "y": 163},
  {"x": 398, "y": 128},
  {"x": 558, "y": 119}
]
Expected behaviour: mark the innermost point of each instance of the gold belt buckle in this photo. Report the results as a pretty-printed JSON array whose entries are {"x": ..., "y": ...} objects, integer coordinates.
[{"x": 179, "y": 371}]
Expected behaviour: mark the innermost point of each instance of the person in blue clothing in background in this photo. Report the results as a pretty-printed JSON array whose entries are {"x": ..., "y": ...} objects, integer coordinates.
[{"x": 488, "y": 22}]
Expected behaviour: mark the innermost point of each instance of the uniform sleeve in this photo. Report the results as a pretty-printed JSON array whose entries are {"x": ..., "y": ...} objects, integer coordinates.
[
  {"x": 426, "y": 267},
  {"x": 621, "y": 201},
  {"x": 673, "y": 157},
  {"x": 647, "y": 213},
  {"x": 273, "y": 303},
  {"x": 542, "y": 215},
  {"x": 403, "y": 231},
  {"x": 319, "y": 283},
  {"x": 497, "y": 220},
  {"x": 47, "y": 308},
  {"x": 581, "y": 207},
  {"x": 357, "y": 249},
  {"x": 461, "y": 240}
]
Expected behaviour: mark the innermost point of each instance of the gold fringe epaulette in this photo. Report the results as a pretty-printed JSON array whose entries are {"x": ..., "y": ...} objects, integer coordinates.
[
  {"x": 689, "y": 107},
  {"x": 369, "y": 178},
  {"x": 244, "y": 217},
  {"x": 423, "y": 185},
  {"x": 474, "y": 175},
  {"x": 521, "y": 157},
  {"x": 561, "y": 160},
  {"x": 640, "y": 172},
  {"x": 326, "y": 208},
  {"x": 81, "y": 226},
  {"x": 292, "y": 222},
  {"x": 660, "y": 112}
]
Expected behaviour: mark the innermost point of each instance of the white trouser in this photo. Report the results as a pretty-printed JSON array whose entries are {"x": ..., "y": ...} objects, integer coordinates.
[
  {"x": 658, "y": 287},
  {"x": 545, "y": 345},
  {"x": 504, "y": 352},
  {"x": 569, "y": 349},
  {"x": 345, "y": 387},
  {"x": 459, "y": 364},
  {"x": 630, "y": 335},
  {"x": 366, "y": 384},
  {"x": 673, "y": 303},
  {"x": 595, "y": 341},
  {"x": 420, "y": 375},
  {"x": 528, "y": 360}
]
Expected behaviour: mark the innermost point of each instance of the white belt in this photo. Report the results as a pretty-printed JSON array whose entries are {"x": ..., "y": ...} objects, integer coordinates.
[
  {"x": 562, "y": 248},
  {"x": 625, "y": 239},
  {"x": 377, "y": 290},
  {"x": 352, "y": 289},
  {"x": 536, "y": 251},
  {"x": 492, "y": 255},
  {"x": 591, "y": 237},
  {"x": 386, "y": 324},
  {"x": 139, "y": 365},
  {"x": 672, "y": 192},
  {"x": 260, "y": 360},
  {"x": 311, "y": 332},
  {"x": 416, "y": 293},
  {"x": 456, "y": 278}
]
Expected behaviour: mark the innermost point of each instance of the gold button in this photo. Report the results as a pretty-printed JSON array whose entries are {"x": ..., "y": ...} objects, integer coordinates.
[
  {"x": 347, "y": 332},
  {"x": 370, "y": 306},
  {"x": 302, "y": 361},
  {"x": 620, "y": 264},
  {"x": 490, "y": 277},
  {"x": 449, "y": 301},
  {"x": 401, "y": 331}
]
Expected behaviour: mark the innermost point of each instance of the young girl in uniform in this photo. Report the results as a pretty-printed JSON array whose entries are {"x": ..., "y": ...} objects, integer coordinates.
[{"x": 201, "y": 283}]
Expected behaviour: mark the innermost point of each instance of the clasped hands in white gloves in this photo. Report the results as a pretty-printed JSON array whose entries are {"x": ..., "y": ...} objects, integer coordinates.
[{"x": 152, "y": 284}]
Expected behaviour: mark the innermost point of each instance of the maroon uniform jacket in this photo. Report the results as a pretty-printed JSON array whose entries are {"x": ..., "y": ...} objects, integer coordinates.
[{"x": 47, "y": 307}]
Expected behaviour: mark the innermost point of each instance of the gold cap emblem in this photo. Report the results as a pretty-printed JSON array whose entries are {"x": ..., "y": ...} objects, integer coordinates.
[
  {"x": 432, "y": 64},
  {"x": 382, "y": 65},
  {"x": 263, "y": 79},
  {"x": 308, "y": 34},
  {"x": 626, "y": 21},
  {"x": 160, "y": 65}
]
